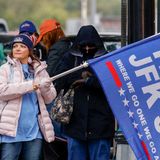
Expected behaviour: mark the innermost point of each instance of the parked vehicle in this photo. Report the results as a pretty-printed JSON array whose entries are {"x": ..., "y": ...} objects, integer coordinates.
[
  {"x": 111, "y": 42},
  {"x": 3, "y": 25}
]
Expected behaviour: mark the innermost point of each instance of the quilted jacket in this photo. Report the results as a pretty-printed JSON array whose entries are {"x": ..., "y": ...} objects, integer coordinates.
[{"x": 12, "y": 87}]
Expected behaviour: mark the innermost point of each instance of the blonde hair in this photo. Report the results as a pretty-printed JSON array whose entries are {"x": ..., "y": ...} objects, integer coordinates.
[{"x": 52, "y": 37}]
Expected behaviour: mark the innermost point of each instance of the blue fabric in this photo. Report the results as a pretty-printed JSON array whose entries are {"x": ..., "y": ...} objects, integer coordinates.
[
  {"x": 99, "y": 149},
  {"x": 28, "y": 128},
  {"x": 95, "y": 149},
  {"x": 30, "y": 150},
  {"x": 131, "y": 82}
]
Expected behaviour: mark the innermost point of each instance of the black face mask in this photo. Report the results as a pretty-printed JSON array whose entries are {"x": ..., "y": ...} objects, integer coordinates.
[{"x": 88, "y": 51}]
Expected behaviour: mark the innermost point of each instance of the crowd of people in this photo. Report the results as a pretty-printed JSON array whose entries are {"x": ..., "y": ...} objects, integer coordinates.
[{"x": 27, "y": 94}]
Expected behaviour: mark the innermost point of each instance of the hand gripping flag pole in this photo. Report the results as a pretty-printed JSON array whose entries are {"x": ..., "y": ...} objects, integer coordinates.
[{"x": 84, "y": 65}]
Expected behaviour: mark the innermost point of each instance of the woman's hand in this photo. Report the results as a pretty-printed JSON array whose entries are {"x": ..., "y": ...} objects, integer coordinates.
[{"x": 43, "y": 83}]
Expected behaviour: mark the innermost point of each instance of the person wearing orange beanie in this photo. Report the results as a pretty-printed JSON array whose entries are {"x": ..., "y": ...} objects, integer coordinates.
[{"x": 53, "y": 38}]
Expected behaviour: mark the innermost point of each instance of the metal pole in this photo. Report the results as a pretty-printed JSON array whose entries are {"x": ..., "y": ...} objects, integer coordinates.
[
  {"x": 84, "y": 10},
  {"x": 84, "y": 65},
  {"x": 135, "y": 20},
  {"x": 92, "y": 11},
  {"x": 158, "y": 16},
  {"x": 123, "y": 22},
  {"x": 149, "y": 18}
]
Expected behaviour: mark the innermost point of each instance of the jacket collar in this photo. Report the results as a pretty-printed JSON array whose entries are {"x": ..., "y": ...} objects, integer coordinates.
[
  {"x": 36, "y": 66},
  {"x": 79, "y": 54}
]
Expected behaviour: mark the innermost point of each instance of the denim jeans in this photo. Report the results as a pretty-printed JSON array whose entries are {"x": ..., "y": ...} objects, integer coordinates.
[
  {"x": 30, "y": 150},
  {"x": 93, "y": 149}
]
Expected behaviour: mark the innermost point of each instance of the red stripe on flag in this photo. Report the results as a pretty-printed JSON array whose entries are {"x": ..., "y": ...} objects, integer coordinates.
[
  {"x": 146, "y": 150},
  {"x": 114, "y": 74}
]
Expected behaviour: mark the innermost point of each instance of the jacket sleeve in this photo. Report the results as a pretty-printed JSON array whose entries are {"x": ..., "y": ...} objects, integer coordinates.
[
  {"x": 48, "y": 93},
  {"x": 55, "y": 54},
  {"x": 64, "y": 82},
  {"x": 52, "y": 60},
  {"x": 10, "y": 91},
  {"x": 92, "y": 82}
]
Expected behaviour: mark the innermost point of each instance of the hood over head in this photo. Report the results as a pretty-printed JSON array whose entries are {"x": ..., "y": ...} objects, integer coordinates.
[{"x": 88, "y": 35}]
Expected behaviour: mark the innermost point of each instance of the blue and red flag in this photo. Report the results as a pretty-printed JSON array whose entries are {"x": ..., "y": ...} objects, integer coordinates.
[{"x": 130, "y": 78}]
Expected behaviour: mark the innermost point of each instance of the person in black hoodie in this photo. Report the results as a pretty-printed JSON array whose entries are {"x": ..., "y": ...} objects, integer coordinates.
[{"x": 91, "y": 128}]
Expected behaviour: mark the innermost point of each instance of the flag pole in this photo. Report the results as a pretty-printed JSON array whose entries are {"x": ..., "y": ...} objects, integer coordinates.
[{"x": 83, "y": 65}]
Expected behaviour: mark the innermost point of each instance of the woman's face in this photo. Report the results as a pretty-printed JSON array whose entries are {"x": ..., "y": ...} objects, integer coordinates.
[{"x": 21, "y": 52}]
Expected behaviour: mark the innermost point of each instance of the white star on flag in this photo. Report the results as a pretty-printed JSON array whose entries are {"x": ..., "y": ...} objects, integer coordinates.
[
  {"x": 140, "y": 135},
  {"x": 121, "y": 92},
  {"x": 130, "y": 113},
  {"x": 125, "y": 101},
  {"x": 135, "y": 124}
]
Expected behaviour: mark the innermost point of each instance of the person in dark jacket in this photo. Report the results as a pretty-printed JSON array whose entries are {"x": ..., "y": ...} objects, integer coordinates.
[
  {"x": 91, "y": 128},
  {"x": 53, "y": 38}
]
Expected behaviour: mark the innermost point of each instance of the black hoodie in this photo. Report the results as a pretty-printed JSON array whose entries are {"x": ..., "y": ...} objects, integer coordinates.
[
  {"x": 92, "y": 117},
  {"x": 88, "y": 34}
]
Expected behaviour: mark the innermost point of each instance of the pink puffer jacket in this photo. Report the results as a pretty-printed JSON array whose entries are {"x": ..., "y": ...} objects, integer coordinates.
[{"x": 12, "y": 87}]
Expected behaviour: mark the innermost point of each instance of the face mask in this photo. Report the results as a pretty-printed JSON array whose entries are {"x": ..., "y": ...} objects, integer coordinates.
[{"x": 88, "y": 51}]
